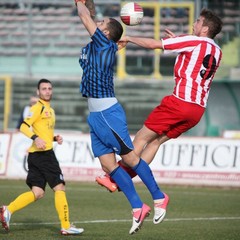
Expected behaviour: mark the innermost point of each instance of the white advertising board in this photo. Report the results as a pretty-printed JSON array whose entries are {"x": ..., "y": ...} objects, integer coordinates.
[
  {"x": 74, "y": 155},
  {"x": 186, "y": 160},
  {"x": 211, "y": 161},
  {"x": 5, "y": 140}
]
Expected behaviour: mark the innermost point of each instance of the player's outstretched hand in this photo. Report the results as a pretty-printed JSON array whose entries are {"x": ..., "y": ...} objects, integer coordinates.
[
  {"x": 59, "y": 139},
  {"x": 91, "y": 7},
  {"x": 122, "y": 43},
  {"x": 169, "y": 33}
]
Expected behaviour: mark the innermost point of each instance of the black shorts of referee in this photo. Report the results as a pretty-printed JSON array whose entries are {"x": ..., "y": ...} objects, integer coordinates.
[{"x": 43, "y": 168}]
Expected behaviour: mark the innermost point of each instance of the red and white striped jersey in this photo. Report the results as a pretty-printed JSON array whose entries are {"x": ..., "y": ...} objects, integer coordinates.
[{"x": 195, "y": 66}]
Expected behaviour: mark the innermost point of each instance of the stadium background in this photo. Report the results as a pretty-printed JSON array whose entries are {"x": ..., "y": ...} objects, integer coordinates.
[{"x": 42, "y": 39}]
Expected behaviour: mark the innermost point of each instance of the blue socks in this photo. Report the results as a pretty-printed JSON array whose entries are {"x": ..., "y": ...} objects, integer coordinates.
[
  {"x": 145, "y": 173},
  {"x": 125, "y": 183}
]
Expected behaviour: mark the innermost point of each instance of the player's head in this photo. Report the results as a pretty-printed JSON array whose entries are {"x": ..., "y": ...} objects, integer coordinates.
[
  {"x": 111, "y": 28},
  {"x": 44, "y": 89},
  {"x": 212, "y": 21},
  {"x": 43, "y": 80},
  {"x": 115, "y": 29}
]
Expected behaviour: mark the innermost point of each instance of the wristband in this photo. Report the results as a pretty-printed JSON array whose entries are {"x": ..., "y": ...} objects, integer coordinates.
[{"x": 34, "y": 136}]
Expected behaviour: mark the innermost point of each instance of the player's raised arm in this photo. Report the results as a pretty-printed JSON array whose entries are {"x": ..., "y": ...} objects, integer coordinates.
[
  {"x": 149, "y": 43},
  {"x": 85, "y": 15}
]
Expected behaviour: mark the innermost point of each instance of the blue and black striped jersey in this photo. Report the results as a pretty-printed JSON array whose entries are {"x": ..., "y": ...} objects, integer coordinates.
[{"x": 97, "y": 60}]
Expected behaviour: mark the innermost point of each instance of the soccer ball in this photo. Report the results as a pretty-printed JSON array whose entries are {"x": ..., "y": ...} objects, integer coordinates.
[{"x": 131, "y": 14}]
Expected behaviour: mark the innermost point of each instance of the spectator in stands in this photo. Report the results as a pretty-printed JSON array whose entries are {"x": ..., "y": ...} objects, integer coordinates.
[
  {"x": 196, "y": 64},
  {"x": 43, "y": 166},
  {"x": 26, "y": 110},
  {"x": 21, "y": 4},
  {"x": 107, "y": 120}
]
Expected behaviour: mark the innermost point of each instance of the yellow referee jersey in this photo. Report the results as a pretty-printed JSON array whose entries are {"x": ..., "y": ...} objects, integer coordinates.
[{"x": 40, "y": 122}]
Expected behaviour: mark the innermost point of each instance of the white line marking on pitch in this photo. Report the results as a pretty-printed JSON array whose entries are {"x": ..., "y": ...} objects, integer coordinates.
[{"x": 124, "y": 220}]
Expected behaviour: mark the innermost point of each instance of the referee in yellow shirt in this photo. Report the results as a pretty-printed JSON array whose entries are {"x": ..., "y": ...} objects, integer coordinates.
[{"x": 42, "y": 163}]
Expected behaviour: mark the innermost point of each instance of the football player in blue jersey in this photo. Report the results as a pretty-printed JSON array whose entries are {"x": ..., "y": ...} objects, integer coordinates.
[{"x": 107, "y": 120}]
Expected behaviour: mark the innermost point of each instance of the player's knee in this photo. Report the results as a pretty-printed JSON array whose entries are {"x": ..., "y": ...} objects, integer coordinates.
[
  {"x": 130, "y": 159},
  {"x": 59, "y": 187},
  {"x": 39, "y": 194}
]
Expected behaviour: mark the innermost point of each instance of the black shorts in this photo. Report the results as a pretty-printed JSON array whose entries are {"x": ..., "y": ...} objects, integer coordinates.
[{"x": 43, "y": 168}]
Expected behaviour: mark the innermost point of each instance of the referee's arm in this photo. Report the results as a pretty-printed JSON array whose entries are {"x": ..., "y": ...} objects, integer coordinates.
[{"x": 26, "y": 130}]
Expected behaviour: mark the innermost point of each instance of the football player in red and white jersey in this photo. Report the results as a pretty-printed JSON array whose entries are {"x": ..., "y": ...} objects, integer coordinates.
[{"x": 196, "y": 64}]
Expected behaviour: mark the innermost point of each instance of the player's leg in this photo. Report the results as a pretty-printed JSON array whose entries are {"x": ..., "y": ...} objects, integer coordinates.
[
  {"x": 160, "y": 199},
  {"x": 61, "y": 205},
  {"x": 147, "y": 142},
  {"x": 54, "y": 177},
  {"x": 174, "y": 117},
  {"x": 109, "y": 136},
  {"x": 35, "y": 182},
  {"x": 20, "y": 202},
  {"x": 147, "y": 154},
  {"x": 123, "y": 180},
  {"x": 144, "y": 136}
]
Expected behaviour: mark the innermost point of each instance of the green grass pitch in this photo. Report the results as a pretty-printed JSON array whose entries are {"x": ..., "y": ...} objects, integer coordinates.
[{"x": 194, "y": 213}]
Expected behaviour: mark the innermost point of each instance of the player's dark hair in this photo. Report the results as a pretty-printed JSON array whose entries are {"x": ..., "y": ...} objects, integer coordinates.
[
  {"x": 115, "y": 29},
  {"x": 212, "y": 21},
  {"x": 43, "y": 80}
]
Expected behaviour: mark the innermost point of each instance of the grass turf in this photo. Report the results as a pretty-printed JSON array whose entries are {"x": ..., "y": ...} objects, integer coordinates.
[{"x": 194, "y": 213}]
